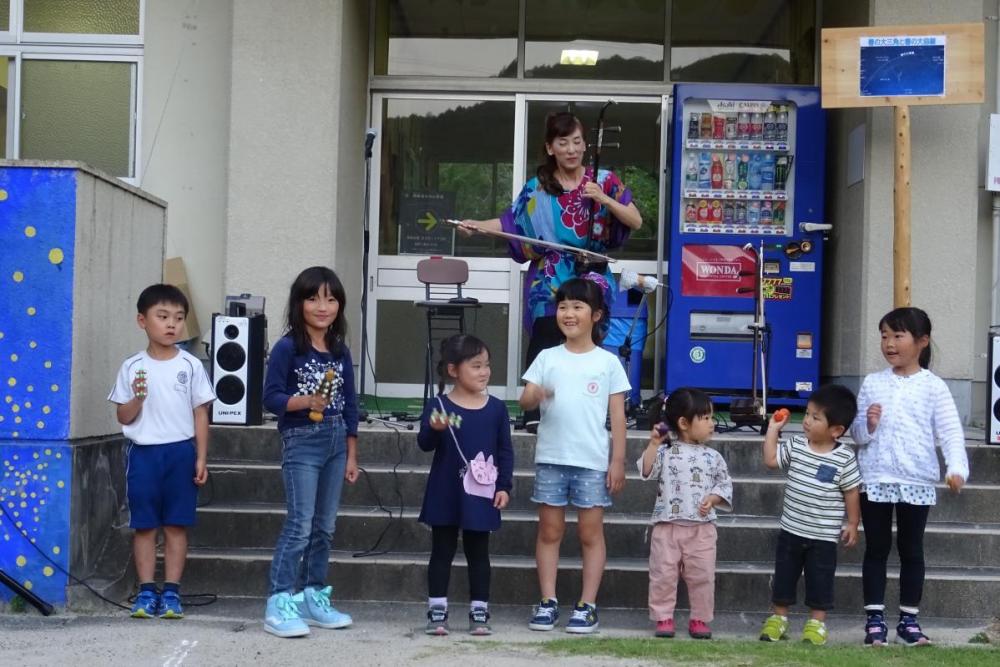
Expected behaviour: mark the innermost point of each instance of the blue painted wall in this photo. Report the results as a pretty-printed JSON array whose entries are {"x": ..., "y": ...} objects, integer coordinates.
[
  {"x": 37, "y": 228},
  {"x": 34, "y": 522}
]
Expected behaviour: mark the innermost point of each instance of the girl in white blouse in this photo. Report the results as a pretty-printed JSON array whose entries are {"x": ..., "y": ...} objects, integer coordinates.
[{"x": 904, "y": 411}]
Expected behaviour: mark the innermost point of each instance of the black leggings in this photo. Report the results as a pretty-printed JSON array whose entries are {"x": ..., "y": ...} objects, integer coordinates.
[
  {"x": 910, "y": 523},
  {"x": 545, "y": 333},
  {"x": 477, "y": 554}
]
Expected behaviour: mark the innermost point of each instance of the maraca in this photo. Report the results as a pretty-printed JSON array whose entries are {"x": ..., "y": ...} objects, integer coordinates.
[
  {"x": 140, "y": 384},
  {"x": 324, "y": 391},
  {"x": 662, "y": 429},
  {"x": 782, "y": 415}
]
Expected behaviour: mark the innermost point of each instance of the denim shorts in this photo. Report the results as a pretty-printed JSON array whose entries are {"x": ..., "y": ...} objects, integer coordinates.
[
  {"x": 559, "y": 485},
  {"x": 816, "y": 558}
]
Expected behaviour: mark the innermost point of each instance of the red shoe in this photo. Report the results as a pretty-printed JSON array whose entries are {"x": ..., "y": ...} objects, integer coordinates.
[
  {"x": 665, "y": 628},
  {"x": 699, "y": 629}
]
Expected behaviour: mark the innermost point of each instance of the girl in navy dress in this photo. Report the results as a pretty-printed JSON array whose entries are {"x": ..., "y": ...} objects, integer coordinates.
[{"x": 470, "y": 479}]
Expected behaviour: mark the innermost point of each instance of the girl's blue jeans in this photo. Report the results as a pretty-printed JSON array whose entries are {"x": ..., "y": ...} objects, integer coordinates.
[{"x": 314, "y": 458}]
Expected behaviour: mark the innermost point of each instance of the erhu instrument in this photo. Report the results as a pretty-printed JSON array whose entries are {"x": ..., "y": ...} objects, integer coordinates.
[{"x": 584, "y": 263}]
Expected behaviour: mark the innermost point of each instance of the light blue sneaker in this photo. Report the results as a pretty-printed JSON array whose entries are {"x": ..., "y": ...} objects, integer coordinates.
[
  {"x": 282, "y": 618},
  {"x": 315, "y": 609}
]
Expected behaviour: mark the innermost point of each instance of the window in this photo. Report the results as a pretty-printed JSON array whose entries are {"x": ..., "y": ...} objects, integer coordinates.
[
  {"x": 472, "y": 38},
  {"x": 71, "y": 109},
  {"x": 6, "y": 97},
  {"x": 625, "y": 35},
  {"x": 745, "y": 41},
  {"x": 451, "y": 157},
  {"x": 635, "y": 161},
  {"x": 78, "y": 68},
  {"x": 82, "y": 17}
]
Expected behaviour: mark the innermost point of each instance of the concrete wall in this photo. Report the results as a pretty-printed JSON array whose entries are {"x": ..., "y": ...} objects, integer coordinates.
[
  {"x": 296, "y": 129},
  {"x": 845, "y": 328},
  {"x": 949, "y": 268},
  {"x": 186, "y": 86},
  {"x": 119, "y": 252},
  {"x": 100, "y": 541}
]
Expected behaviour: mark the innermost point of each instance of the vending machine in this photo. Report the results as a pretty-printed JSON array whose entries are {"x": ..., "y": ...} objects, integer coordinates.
[{"x": 747, "y": 176}]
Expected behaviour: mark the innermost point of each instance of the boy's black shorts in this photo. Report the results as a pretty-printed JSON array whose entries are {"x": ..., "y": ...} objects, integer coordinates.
[{"x": 818, "y": 558}]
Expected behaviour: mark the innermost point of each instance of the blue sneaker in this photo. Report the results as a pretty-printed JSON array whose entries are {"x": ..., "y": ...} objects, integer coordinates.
[
  {"x": 315, "y": 609},
  {"x": 147, "y": 605},
  {"x": 282, "y": 618},
  {"x": 170, "y": 605},
  {"x": 546, "y": 615},
  {"x": 908, "y": 632},
  {"x": 583, "y": 621},
  {"x": 876, "y": 632}
]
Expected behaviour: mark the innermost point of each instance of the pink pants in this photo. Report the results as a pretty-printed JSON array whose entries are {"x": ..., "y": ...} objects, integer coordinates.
[{"x": 682, "y": 551}]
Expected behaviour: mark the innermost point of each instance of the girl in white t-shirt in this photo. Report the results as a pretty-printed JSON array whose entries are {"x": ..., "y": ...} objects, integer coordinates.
[
  {"x": 576, "y": 384},
  {"x": 904, "y": 411}
]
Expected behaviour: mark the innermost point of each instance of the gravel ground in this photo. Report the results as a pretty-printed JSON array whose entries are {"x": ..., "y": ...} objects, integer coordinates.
[{"x": 230, "y": 632}]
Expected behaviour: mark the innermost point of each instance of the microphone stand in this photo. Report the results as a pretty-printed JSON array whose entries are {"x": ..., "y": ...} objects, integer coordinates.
[
  {"x": 366, "y": 251},
  {"x": 43, "y": 607}
]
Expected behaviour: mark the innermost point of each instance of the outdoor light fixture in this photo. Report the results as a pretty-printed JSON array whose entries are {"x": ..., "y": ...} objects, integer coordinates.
[{"x": 578, "y": 57}]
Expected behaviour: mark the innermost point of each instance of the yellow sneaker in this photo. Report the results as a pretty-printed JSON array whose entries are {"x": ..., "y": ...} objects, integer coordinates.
[
  {"x": 814, "y": 632},
  {"x": 774, "y": 629}
]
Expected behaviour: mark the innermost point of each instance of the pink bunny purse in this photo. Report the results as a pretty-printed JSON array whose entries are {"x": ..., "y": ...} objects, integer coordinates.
[{"x": 479, "y": 476}]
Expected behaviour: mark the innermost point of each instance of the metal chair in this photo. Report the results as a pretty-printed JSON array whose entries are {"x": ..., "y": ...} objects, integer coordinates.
[{"x": 445, "y": 306}]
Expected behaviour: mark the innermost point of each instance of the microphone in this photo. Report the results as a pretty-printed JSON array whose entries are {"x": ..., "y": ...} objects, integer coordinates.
[
  {"x": 629, "y": 279},
  {"x": 369, "y": 141}
]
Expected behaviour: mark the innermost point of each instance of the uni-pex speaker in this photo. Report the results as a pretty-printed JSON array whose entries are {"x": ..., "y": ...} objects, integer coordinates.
[{"x": 238, "y": 369}]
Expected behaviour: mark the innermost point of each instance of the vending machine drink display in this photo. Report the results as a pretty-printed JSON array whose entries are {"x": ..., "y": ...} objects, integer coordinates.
[{"x": 748, "y": 169}]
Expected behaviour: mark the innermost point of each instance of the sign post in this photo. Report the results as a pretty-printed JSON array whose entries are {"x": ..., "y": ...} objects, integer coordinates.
[{"x": 901, "y": 66}]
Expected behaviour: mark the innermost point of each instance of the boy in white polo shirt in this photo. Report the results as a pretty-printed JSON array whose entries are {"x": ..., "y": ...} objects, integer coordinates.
[{"x": 162, "y": 395}]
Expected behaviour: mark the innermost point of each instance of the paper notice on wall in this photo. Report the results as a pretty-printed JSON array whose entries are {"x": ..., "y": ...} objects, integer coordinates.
[{"x": 993, "y": 166}]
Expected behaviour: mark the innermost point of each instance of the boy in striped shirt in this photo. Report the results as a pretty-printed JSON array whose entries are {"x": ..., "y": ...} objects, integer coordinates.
[{"x": 822, "y": 481}]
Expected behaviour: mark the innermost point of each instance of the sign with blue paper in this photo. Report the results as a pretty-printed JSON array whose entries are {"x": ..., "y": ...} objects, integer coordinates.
[{"x": 902, "y": 65}]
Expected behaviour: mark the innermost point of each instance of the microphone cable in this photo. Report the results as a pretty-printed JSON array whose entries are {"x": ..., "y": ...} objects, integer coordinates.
[{"x": 209, "y": 597}]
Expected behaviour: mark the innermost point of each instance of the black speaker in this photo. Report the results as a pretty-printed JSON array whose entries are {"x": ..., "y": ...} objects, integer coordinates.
[
  {"x": 993, "y": 396},
  {"x": 238, "y": 353}
]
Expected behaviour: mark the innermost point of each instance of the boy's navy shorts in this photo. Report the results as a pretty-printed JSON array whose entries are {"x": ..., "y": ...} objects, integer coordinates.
[{"x": 160, "y": 484}]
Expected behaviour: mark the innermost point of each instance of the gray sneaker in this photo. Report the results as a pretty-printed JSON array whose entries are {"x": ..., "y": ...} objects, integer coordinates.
[
  {"x": 479, "y": 622},
  {"x": 437, "y": 621}
]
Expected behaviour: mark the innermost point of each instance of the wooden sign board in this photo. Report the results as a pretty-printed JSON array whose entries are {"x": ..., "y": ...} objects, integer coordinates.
[{"x": 896, "y": 65}]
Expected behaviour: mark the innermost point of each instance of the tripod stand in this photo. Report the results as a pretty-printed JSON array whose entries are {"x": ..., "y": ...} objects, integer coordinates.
[{"x": 38, "y": 603}]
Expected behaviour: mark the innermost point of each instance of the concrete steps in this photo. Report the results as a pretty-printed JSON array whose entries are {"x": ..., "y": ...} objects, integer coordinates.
[
  {"x": 243, "y": 509},
  {"x": 749, "y": 538},
  {"x": 759, "y": 494},
  {"x": 740, "y": 586}
]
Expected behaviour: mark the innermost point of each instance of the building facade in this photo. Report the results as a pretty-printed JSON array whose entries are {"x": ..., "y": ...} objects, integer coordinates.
[{"x": 249, "y": 117}]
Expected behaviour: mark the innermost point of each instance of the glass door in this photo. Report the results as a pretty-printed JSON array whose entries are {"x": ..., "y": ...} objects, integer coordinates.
[
  {"x": 640, "y": 161},
  {"x": 467, "y": 156},
  {"x": 436, "y": 156}
]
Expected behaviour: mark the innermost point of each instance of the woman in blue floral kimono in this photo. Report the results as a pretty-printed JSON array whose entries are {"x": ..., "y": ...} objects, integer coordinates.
[{"x": 555, "y": 206}]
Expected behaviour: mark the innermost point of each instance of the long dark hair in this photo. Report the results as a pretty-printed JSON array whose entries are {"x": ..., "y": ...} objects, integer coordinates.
[
  {"x": 915, "y": 322},
  {"x": 307, "y": 284},
  {"x": 581, "y": 289},
  {"x": 686, "y": 402},
  {"x": 455, "y": 350},
  {"x": 557, "y": 124}
]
